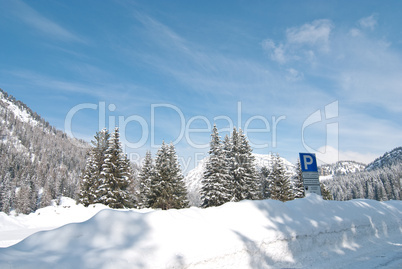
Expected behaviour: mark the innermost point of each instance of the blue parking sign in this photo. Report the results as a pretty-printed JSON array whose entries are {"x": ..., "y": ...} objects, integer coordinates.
[{"x": 308, "y": 162}]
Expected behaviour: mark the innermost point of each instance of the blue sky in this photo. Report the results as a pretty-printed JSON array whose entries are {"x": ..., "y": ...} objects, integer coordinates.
[{"x": 297, "y": 76}]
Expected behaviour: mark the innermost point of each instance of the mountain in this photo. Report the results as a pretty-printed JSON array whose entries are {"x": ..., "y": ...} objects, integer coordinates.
[
  {"x": 387, "y": 160},
  {"x": 38, "y": 162},
  {"x": 341, "y": 168},
  {"x": 193, "y": 180},
  {"x": 380, "y": 180}
]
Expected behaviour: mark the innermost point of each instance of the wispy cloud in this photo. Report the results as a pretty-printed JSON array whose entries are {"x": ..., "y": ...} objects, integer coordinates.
[
  {"x": 40, "y": 23},
  {"x": 301, "y": 43},
  {"x": 369, "y": 22},
  {"x": 316, "y": 33}
]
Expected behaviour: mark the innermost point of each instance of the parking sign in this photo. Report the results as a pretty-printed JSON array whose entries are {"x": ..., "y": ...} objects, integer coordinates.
[
  {"x": 308, "y": 162},
  {"x": 309, "y": 168}
]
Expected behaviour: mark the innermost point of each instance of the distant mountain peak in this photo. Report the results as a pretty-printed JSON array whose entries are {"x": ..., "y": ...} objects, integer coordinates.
[
  {"x": 341, "y": 168},
  {"x": 388, "y": 159}
]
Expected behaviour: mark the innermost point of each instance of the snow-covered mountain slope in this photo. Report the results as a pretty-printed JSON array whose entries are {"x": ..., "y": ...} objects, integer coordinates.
[
  {"x": 388, "y": 159},
  {"x": 35, "y": 157},
  {"x": 193, "y": 179},
  {"x": 304, "y": 233},
  {"x": 19, "y": 109},
  {"x": 341, "y": 168}
]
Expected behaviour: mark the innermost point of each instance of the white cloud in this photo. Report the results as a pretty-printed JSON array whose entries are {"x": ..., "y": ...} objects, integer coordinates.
[
  {"x": 368, "y": 22},
  {"x": 316, "y": 33},
  {"x": 302, "y": 43},
  {"x": 277, "y": 53},
  {"x": 294, "y": 75}
]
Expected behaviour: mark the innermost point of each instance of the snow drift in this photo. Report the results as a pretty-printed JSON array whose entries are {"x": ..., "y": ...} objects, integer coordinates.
[{"x": 307, "y": 232}]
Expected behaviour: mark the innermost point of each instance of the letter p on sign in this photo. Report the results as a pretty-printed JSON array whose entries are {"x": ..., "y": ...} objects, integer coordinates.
[{"x": 308, "y": 162}]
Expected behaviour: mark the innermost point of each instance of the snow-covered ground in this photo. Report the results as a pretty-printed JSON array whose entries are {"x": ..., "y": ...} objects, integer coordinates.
[
  {"x": 304, "y": 233},
  {"x": 15, "y": 228}
]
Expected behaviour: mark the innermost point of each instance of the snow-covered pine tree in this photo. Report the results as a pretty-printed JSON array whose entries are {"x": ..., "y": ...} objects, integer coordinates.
[
  {"x": 241, "y": 168},
  {"x": 145, "y": 177},
  {"x": 251, "y": 187},
  {"x": 89, "y": 186},
  {"x": 6, "y": 193},
  {"x": 325, "y": 193},
  {"x": 114, "y": 175},
  {"x": 298, "y": 188},
  {"x": 22, "y": 200},
  {"x": 265, "y": 182},
  {"x": 167, "y": 185},
  {"x": 227, "y": 154},
  {"x": 180, "y": 191},
  {"x": 280, "y": 185},
  {"x": 127, "y": 182},
  {"x": 215, "y": 185}
]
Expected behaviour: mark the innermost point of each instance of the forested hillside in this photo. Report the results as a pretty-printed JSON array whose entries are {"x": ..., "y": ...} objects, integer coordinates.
[
  {"x": 38, "y": 162},
  {"x": 381, "y": 180}
]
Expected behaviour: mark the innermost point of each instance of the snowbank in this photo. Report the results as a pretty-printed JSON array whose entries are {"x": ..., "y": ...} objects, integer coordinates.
[
  {"x": 14, "y": 228},
  {"x": 306, "y": 232}
]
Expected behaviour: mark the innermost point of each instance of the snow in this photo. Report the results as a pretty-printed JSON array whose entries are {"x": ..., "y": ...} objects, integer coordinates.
[
  {"x": 14, "y": 228},
  {"x": 304, "y": 233},
  {"x": 21, "y": 114}
]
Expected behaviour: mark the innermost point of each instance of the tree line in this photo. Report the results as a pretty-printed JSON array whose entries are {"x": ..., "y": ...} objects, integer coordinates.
[
  {"x": 230, "y": 176},
  {"x": 380, "y": 184}
]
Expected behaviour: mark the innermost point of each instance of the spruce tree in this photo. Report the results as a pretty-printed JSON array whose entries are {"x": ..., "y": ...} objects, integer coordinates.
[
  {"x": 265, "y": 182},
  {"x": 326, "y": 194},
  {"x": 251, "y": 187},
  {"x": 180, "y": 191},
  {"x": 145, "y": 177},
  {"x": 6, "y": 191},
  {"x": 114, "y": 175},
  {"x": 241, "y": 168},
  {"x": 167, "y": 185},
  {"x": 280, "y": 185},
  {"x": 89, "y": 186},
  {"x": 298, "y": 181},
  {"x": 227, "y": 155},
  {"x": 215, "y": 186}
]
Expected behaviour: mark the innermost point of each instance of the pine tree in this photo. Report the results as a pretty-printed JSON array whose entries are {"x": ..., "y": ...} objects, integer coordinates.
[
  {"x": 114, "y": 175},
  {"x": 46, "y": 196},
  {"x": 180, "y": 191},
  {"x": 241, "y": 168},
  {"x": 22, "y": 200},
  {"x": 145, "y": 177},
  {"x": 167, "y": 185},
  {"x": 89, "y": 187},
  {"x": 215, "y": 183},
  {"x": 298, "y": 182},
  {"x": 325, "y": 193},
  {"x": 280, "y": 186},
  {"x": 251, "y": 187},
  {"x": 265, "y": 182},
  {"x": 6, "y": 191}
]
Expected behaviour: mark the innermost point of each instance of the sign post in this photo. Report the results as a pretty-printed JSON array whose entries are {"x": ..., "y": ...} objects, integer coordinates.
[{"x": 310, "y": 176}]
